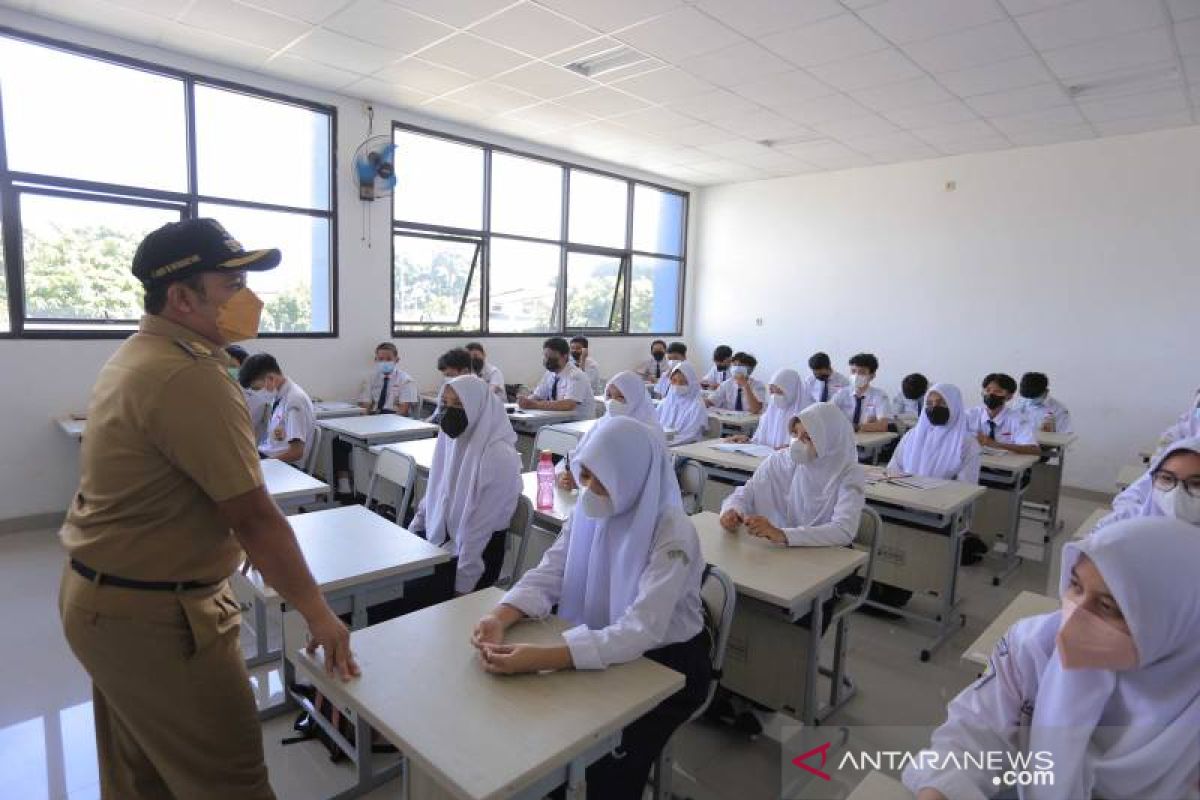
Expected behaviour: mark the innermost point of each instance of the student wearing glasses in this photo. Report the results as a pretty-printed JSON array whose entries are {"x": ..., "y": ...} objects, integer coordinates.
[{"x": 1170, "y": 488}]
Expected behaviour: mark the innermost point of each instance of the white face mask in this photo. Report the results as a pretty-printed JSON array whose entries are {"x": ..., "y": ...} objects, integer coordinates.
[
  {"x": 802, "y": 452},
  {"x": 779, "y": 401},
  {"x": 616, "y": 408},
  {"x": 740, "y": 369},
  {"x": 596, "y": 506},
  {"x": 678, "y": 391},
  {"x": 1179, "y": 504},
  {"x": 861, "y": 381}
]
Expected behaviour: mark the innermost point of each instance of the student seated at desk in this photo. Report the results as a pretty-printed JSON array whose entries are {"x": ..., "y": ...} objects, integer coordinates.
[
  {"x": 683, "y": 408},
  {"x": 581, "y": 357},
  {"x": 1107, "y": 687},
  {"x": 742, "y": 391},
  {"x": 474, "y": 484},
  {"x": 256, "y": 402},
  {"x": 289, "y": 433},
  {"x": 626, "y": 570},
  {"x": 824, "y": 383},
  {"x": 939, "y": 446},
  {"x": 489, "y": 373},
  {"x": 867, "y": 407},
  {"x": 1187, "y": 427},
  {"x": 625, "y": 396},
  {"x": 654, "y": 368},
  {"x": 676, "y": 354},
  {"x": 784, "y": 403},
  {"x": 564, "y": 387},
  {"x": 911, "y": 400},
  {"x": 1170, "y": 487},
  {"x": 996, "y": 425},
  {"x": 718, "y": 373},
  {"x": 1045, "y": 412},
  {"x": 452, "y": 363},
  {"x": 387, "y": 390}
]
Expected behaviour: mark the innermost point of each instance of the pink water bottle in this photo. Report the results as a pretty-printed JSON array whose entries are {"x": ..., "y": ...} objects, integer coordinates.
[{"x": 545, "y": 481}]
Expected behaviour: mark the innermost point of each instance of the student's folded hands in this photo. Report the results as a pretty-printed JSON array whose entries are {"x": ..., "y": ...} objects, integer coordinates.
[
  {"x": 514, "y": 659},
  {"x": 761, "y": 527}
]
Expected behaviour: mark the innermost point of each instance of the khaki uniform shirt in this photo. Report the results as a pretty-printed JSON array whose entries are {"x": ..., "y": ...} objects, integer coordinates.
[{"x": 168, "y": 437}]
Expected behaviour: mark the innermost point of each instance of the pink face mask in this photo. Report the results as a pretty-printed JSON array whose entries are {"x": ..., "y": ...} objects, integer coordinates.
[{"x": 1085, "y": 641}]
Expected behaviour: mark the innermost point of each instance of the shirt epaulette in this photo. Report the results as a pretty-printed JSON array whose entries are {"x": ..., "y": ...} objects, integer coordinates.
[{"x": 196, "y": 350}]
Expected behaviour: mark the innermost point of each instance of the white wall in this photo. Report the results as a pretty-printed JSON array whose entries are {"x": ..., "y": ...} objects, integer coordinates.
[
  {"x": 44, "y": 379},
  {"x": 1079, "y": 260}
]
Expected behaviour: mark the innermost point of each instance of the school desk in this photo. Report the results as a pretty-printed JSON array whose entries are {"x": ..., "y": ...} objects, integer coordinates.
[
  {"x": 362, "y": 433},
  {"x": 579, "y": 427},
  {"x": 333, "y": 409},
  {"x": 290, "y": 487},
  {"x": 877, "y": 786},
  {"x": 1026, "y": 604},
  {"x": 1089, "y": 525},
  {"x": 1045, "y": 487},
  {"x": 998, "y": 512}
]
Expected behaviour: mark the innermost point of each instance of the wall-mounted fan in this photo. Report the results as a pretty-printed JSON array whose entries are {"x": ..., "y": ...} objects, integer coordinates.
[{"x": 375, "y": 167}]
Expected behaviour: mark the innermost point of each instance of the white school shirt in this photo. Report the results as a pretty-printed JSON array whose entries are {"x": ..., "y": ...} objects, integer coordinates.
[
  {"x": 717, "y": 376},
  {"x": 666, "y": 611},
  {"x": 813, "y": 387},
  {"x": 1012, "y": 427},
  {"x": 725, "y": 395},
  {"x": 592, "y": 370},
  {"x": 494, "y": 378},
  {"x": 903, "y": 407},
  {"x": 401, "y": 389},
  {"x": 647, "y": 369},
  {"x": 260, "y": 412},
  {"x": 573, "y": 384},
  {"x": 875, "y": 405},
  {"x": 968, "y": 471},
  {"x": 1050, "y": 407},
  {"x": 292, "y": 419},
  {"x": 664, "y": 383}
]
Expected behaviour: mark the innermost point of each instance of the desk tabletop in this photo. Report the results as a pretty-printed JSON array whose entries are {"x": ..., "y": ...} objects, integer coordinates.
[
  {"x": 331, "y": 409},
  {"x": 737, "y": 418},
  {"x": 285, "y": 482},
  {"x": 706, "y": 453},
  {"x": 782, "y": 576},
  {"x": 380, "y": 426},
  {"x": 518, "y": 414},
  {"x": 71, "y": 426},
  {"x": 580, "y": 427},
  {"x": 483, "y": 736},
  {"x": 1089, "y": 524},
  {"x": 420, "y": 450},
  {"x": 1009, "y": 462},
  {"x": 874, "y": 438},
  {"x": 1128, "y": 475},
  {"x": 877, "y": 786},
  {"x": 948, "y": 498},
  {"x": 350, "y": 545},
  {"x": 1055, "y": 439},
  {"x": 564, "y": 500},
  {"x": 1026, "y": 604}
]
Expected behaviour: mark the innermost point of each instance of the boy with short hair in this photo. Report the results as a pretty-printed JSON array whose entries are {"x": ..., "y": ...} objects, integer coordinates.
[
  {"x": 868, "y": 407},
  {"x": 564, "y": 387},
  {"x": 676, "y": 354},
  {"x": 289, "y": 434},
  {"x": 911, "y": 402},
  {"x": 825, "y": 382},
  {"x": 741, "y": 391},
  {"x": 486, "y": 371},
  {"x": 582, "y": 358},
  {"x": 260, "y": 409},
  {"x": 452, "y": 363},
  {"x": 388, "y": 389},
  {"x": 1045, "y": 412},
  {"x": 718, "y": 373},
  {"x": 996, "y": 425},
  {"x": 655, "y": 367}
]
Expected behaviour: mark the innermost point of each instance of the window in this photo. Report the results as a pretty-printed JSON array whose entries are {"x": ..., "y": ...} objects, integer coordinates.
[
  {"x": 97, "y": 153},
  {"x": 487, "y": 240}
]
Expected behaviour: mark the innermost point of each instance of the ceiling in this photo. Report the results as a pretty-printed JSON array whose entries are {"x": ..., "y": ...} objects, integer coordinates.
[{"x": 829, "y": 85}]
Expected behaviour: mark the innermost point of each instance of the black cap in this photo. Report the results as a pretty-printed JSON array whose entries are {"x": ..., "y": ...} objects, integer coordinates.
[{"x": 181, "y": 249}]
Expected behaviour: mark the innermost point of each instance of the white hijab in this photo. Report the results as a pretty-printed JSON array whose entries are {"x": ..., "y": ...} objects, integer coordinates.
[
  {"x": 459, "y": 493},
  {"x": 637, "y": 400},
  {"x": 814, "y": 488},
  {"x": 683, "y": 408},
  {"x": 936, "y": 451},
  {"x": 1150, "y": 568},
  {"x": 606, "y": 557},
  {"x": 1143, "y": 484},
  {"x": 773, "y": 426}
]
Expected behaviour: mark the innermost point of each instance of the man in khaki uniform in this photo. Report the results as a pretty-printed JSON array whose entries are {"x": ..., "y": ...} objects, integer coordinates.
[{"x": 170, "y": 495}]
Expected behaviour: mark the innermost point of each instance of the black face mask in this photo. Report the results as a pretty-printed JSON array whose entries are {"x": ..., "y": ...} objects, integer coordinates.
[
  {"x": 938, "y": 415},
  {"x": 822, "y": 378},
  {"x": 552, "y": 365},
  {"x": 577, "y": 356},
  {"x": 658, "y": 354},
  {"x": 993, "y": 401},
  {"x": 453, "y": 421}
]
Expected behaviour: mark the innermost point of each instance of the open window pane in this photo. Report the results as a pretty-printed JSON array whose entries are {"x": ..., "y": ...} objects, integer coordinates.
[
  {"x": 264, "y": 151},
  {"x": 437, "y": 283},
  {"x": 598, "y": 206},
  {"x": 438, "y": 181},
  {"x": 526, "y": 197},
  {"x": 654, "y": 295},
  {"x": 78, "y": 117},
  {"x": 295, "y": 294},
  {"x": 592, "y": 296},
  {"x": 77, "y": 257},
  {"x": 5, "y": 322},
  {"x": 657, "y": 221},
  {"x": 523, "y": 287}
]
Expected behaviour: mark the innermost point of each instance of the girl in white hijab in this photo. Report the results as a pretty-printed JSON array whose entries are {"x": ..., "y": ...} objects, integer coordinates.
[
  {"x": 683, "y": 407},
  {"x": 940, "y": 446},
  {"x": 1188, "y": 426},
  {"x": 624, "y": 396},
  {"x": 785, "y": 401},
  {"x": 1166, "y": 488},
  {"x": 474, "y": 483},
  {"x": 626, "y": 570},
  {"x": 810, "y": 494},
  {"x": 1107, "y": 689}
]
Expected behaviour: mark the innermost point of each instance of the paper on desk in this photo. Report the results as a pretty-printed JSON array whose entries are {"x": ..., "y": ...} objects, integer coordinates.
[
  {"x": 752, "y": 450},
  {"x": 918, "y": 482},
  {"x": 875, "y": 474},
  {"x": 993, "y": 451}
]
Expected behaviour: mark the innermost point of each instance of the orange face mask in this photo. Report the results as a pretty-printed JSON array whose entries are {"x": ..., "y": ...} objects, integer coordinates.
[
  {"x": 238, "y": 317},
  {"x": 1085, "y": 641}
]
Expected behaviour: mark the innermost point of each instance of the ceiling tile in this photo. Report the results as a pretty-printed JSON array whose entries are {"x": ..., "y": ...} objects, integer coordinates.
[
  {"x": 931, "y": 116},
  {"x": 759, "y": 125},
  {"x": 688, "y": 155},
  {"x": 1191, "y": 68},
  {"x": 601, "y": 46},
  {"x": 1188, "y": 36},
  {"x": 1126, "y": 52},
  {"x": 243, "y": 23},
  {"x": 1153, "y": 104},
  {"x": 758, "y": 17},
  {"x": 715, "y": 105},
  {"x": 828, "y": 40},
  {"x": 611, "y": 15},
  {"x": 416, "y": 73},
  {"x": 958, "y": 132},
  {"x": 995, "y": 41},
  {"x": 982, "y": 144},
  {"x": 725, "y": 170},
  {"x": 656, "y": 119},
  {"x": 1063, "y": 117},
  {"x": 454, "y": 110},
  {"x": 473, "y": 55},
  {"x": 1183, "y": 9},
  {"x": 492, "y": 98},
  {"x": 375, "y": 90},
  {"x": 923, "y": 91},
  {"x": 1043, "y": 136},
  {"x": 1019, "y": 101},
  {"x": 1029, "y": 6},
  {"x": 386, "y": 25},
  {"x": 311, "y": 73},
  {"x": 550, "y": 116},
  {"x": 336, "y": 50},
  {"x": 679, "y": 34},
  {"x": 872, "y": 69},
  {"x": 888, "y": 143},
  {"x": 904, "y": 21},
  {"x": 783, "y": 89},
  {"x": 544, "y": 80},
  {"x": 161, "y": 8},
  {"x": 602, "y": 102},
  {"x": 213, "y": 46},
  {"x": 697, "y": 135},
  {"x": 104, "y": 16},
  {"x": 666, "y": 85},
  {"x": 459, "y": 13},
  {"x": 1119, "y": 127},
  {"x": 741, "y": 63},
  {"x": 1087, "y": 21},
  {"x": 736, "y": 149},
  {"x": 824, "y": 109},
  {"x": 314, "y": 11},
  {"x": 533, "y": 30},
  {"x": 1013, "y": 74},
  {"x": 828, "y": 155},
  {"x": 873, "y": 125}
]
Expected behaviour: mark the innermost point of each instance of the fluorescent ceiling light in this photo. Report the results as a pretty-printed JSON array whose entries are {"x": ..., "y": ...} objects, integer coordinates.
[{"x": 606, "y": 61}]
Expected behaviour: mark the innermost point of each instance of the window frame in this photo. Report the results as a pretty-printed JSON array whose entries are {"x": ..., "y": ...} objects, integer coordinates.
[
  {"x": 476, "y": 265},
  {"x": 13, "y": 184},
  {"x": 627, "y": 254}
]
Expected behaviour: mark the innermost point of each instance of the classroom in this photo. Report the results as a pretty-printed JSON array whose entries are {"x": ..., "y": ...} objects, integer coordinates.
[{"x": 605, "y": 399}]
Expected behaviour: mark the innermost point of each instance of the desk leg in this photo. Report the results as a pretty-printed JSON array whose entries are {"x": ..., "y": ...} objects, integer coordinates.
[
  {"x": 813, "y": 667},
  {"x": 1012, "y": 539},
  {"x": 577, "y": 780},
  {"x": 262, "y": 650}
]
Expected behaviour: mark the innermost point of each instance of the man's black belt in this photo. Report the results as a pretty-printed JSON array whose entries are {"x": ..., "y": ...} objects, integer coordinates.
[{"x": 128, "y": 583}]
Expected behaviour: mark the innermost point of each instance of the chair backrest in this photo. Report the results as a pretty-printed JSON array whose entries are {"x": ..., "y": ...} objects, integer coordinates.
[
  {"x": 313, "y": 459},
  {"x": 692, "y": 480},
  {"x": 520, "y": 525},
  {"x": 557, "y": 442},
  {"x": 719, "y": 596},
  {"x": 397, "y": 469},
  {"x": 870, "y": 531}
]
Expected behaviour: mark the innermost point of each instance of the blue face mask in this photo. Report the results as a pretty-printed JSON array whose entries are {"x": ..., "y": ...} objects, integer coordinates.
[
  {"x": 385, "y": 367},
  {"x": 739, "y": 370}
]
